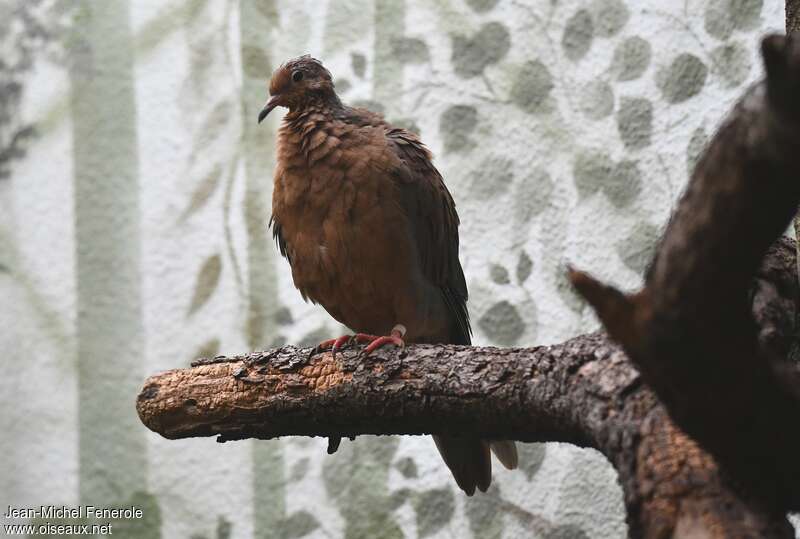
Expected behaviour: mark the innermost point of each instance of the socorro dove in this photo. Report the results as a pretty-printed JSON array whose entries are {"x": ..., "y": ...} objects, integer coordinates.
[{"x": 371, "y": 234}]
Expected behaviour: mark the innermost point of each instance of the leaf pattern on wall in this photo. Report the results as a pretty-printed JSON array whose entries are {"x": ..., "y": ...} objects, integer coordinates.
[
  {"x": 485, "y": 520},
  {"x": 695, "y": 148},
  {"x": 213, "y": 126},
  {"x": 524, "y": 267},
  {"x": 637, "y": 250},
  {"x": 434, "y": 508},
  {"x": 299, "y": 470},
  {"x": 532, "y": 87},
  {"x": 203, "y": 192},
  {"x": 531, "y": 458},
  {"x": 410, "y": 50},
  {"x": 472, "y": 54},
  {"x": 356, "y": 480},
  {"x": 631, "y": 58},
  {"x": 499, "y": 274},
  {"x": 224, "y": 528},
  {"x": 407, "y": 467},
  {"x": 682, "y": 79},
  {"x": 28, "y": 32},
  {"x": 578, "y": 35},
  {"x": 298, "y": 524},
  {"x": 456, "y": 124},
  {"x": 206, "y": 282},
  {"x": 255, "y": 61},
  {"x": 502, "y": 323}
]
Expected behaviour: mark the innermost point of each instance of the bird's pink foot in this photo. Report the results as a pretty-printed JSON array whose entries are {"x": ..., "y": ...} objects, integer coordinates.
[
  {"x": 334, "y": 345},
  {"x": 395, "y": 337}
]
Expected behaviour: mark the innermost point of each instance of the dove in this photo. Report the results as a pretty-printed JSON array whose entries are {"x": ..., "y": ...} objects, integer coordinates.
[{"x": 370, "y": 232}]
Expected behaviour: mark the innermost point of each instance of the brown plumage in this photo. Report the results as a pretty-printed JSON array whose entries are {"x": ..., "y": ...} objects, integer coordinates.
[{"x": 371, "y": 232}]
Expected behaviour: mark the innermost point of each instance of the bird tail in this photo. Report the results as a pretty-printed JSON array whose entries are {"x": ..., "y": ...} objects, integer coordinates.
[
  {"x": 506, "y": 453},
  {"x": 468, "y": 460}
]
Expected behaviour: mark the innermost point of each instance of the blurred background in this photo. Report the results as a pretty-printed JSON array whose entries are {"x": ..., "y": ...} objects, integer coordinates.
[{"x": 135, "y": 189}]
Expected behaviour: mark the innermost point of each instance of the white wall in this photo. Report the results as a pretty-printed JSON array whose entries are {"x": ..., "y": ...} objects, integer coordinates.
[{"x": 563, "y": 129}]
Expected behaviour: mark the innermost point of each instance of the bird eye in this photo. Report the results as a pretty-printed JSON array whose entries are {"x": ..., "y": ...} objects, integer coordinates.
[{"x": 297, "y": 76}]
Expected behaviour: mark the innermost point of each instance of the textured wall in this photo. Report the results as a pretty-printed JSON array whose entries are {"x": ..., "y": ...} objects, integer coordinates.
[{"x": 135, "y": 189}]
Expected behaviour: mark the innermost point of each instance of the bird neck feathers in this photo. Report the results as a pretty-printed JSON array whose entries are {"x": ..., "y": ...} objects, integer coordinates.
[
  {"x": 309, "y": 136},
  {"x": 327, "y": 103}
]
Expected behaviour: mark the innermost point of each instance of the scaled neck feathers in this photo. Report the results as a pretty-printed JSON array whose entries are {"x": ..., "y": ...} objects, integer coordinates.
[
  {"x": 327, "y": 104},
  {"x": 309, "y": 132}
]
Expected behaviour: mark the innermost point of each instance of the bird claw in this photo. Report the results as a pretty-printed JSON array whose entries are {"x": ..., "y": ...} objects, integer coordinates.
[
  {"x": 378, "y": 342},
  {"x": 334, "y": 345},
  {"x": 375, "y": 342},
  {"x": 333, "y": 444}
]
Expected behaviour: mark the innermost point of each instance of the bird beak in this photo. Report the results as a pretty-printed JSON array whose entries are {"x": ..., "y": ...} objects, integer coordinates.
[{"x": 271, "y": 104}]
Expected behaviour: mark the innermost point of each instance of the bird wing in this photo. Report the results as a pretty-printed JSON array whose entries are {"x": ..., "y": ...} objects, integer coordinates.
[
  {"x": 434, "y": 221},
  {"x": 277, "y": 235}
]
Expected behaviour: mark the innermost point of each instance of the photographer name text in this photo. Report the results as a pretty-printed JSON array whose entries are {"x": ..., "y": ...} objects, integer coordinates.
[{"x": 81, "y": 511}]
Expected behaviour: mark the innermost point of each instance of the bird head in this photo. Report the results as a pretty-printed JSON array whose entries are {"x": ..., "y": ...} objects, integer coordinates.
[{"x": 296, "y": 83}]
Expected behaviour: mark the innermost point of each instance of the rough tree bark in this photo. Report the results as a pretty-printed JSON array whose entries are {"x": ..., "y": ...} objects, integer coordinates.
[
  {"x": 793, "y": 25},
  {"x": 792, "y": 16},
  {"x": 694, "y": 408}
]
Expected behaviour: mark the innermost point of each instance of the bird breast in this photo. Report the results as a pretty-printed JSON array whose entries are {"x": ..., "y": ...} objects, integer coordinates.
[{"x": 344, "y": 230}]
